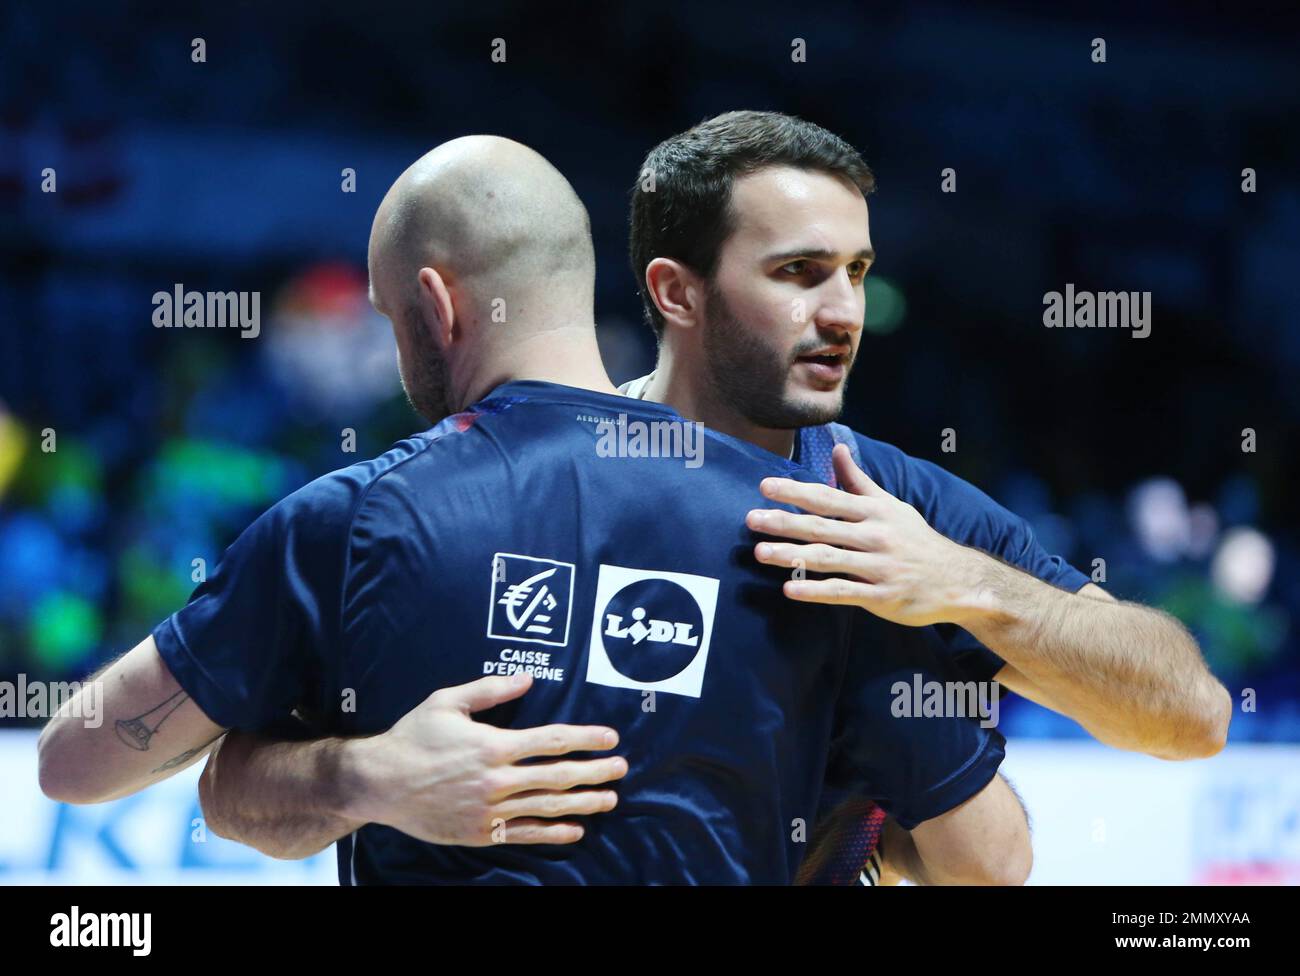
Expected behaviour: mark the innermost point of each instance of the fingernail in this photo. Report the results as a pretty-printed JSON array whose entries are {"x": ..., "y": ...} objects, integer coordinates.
[
  {"x": 764, "y": 550},
  {"x": 610, "y": 739}
]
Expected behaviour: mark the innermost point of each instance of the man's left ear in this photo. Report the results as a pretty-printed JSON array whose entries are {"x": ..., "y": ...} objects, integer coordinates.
[{"x": 436, "y": 307}]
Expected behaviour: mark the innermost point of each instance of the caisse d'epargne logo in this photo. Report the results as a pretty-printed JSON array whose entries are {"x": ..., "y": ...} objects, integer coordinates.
[{"x": 531, "y": 599}]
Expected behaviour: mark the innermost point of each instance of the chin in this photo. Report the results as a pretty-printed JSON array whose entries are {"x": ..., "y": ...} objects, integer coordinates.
[
  {"x": 812, "y": 409},
  {"x": 829, "y": 403}
]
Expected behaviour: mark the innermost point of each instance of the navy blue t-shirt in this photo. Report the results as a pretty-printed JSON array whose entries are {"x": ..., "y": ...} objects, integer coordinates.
[
  {"x": 507, "y": 538},
  {"x": 849, "y": 830},
  {"x": 953, "y": 508}
]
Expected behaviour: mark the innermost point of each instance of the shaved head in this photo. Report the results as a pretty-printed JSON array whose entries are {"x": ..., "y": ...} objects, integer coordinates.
[
  {"x": 485, "y": 211},
  {"x": 509, "y": 246}
]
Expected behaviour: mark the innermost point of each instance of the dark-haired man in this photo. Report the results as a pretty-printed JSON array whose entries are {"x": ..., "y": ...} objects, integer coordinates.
[{"x": 750, "y": 253}]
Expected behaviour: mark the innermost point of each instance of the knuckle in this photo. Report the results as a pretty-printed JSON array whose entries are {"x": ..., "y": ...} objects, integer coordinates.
[
  {"x": 492, "y": 753},
  {"x": 438, "y": 699},
  {"x": 492, "y": 784}
]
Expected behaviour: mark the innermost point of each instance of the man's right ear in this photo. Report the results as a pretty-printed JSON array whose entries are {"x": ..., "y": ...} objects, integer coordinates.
[
  {"x": 676, "y": 290},
  {"x": 436, "y": 308}
]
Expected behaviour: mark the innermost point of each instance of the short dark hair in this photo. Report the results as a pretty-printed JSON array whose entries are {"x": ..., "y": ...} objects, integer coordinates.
[{"x": 688, "y": 216}]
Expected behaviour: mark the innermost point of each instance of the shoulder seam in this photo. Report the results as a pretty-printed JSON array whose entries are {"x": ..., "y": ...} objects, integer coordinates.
[{"x": 425, "y": 444}]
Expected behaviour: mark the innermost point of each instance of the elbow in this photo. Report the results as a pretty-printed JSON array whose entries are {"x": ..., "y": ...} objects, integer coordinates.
[
  {"x": 61, "y": 779},
  {"x": 1005, "y": 860},
  {"x": 1202, "y": 727},
  {"x": 290, "y": 853},
  {"x": 1010, "y": 871},
  {"x": 1210, "y": 724},
  {"x": 218, "y": 818},
  {"x": 992, "y": 864}
]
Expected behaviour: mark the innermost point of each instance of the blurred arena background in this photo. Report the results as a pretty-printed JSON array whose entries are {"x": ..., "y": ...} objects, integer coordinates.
[{"x": 229, "y": 175}]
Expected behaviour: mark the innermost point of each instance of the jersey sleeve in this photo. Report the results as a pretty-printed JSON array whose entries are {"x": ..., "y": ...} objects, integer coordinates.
[
  {"x": 889, "y": 745},
  {"x": 247, "y": 645},
  {"x": 963, "y": 513}
]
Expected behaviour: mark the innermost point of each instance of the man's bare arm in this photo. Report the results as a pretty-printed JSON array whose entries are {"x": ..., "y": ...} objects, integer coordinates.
[
  {"x": 985, "y": 841},
  {"x": 277, "y": 797},
  {"x": 1131, "y": 675},
  {"x": 1016, "y": 681},
  {"x": 129, "y": 726},
  {"x": 437, "y": 775}
]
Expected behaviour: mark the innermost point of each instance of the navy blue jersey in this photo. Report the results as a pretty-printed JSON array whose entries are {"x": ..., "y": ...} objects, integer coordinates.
[
  {"x": 953, "y": 508},
  {"x": 848, "y": 831},
  {"x": 507, "y": 538}
]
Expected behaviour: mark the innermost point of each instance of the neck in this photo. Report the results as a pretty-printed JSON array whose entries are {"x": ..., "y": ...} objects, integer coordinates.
[
  {"x": 690, "y": 394},
  {"x": 566, "y": 354}
]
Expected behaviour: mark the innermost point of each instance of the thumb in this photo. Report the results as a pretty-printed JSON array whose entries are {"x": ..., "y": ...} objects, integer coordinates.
[
  {"x": 485, "y": 693},
  {"x": 849, "y": 476}
]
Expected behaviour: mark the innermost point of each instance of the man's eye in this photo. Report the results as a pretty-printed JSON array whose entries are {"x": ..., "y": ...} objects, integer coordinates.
[
  {"x": 795, "y": 267},
  {"x": 858, "y": 270}
]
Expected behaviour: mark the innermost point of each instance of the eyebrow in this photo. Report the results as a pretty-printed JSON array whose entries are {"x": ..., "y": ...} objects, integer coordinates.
[{"x": 817, "y": 254}]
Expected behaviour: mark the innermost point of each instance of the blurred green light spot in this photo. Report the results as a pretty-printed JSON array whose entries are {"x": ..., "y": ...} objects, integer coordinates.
[
  {"x": 150, "y": 589},
  {"x": 224, "y": 472},
  {"x": 886, "y": 306},
  {"x": 64, "y": 628}
]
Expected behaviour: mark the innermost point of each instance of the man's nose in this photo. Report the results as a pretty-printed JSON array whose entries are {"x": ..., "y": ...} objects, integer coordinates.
[{"x": 840, "y": 305}]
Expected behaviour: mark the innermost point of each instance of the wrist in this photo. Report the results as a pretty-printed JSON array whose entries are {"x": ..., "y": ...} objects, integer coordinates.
[
  {"x": 980, "y": 599},
  {"x": 347, "y": 766}
]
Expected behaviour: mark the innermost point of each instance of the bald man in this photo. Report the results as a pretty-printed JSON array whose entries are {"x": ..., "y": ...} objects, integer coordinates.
[
  {"x": 505, "y": 540},
  {"x": 493, "y": 240}
]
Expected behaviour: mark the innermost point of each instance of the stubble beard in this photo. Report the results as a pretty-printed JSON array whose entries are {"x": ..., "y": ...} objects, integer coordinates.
[{"x": 750, "y": 376}]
